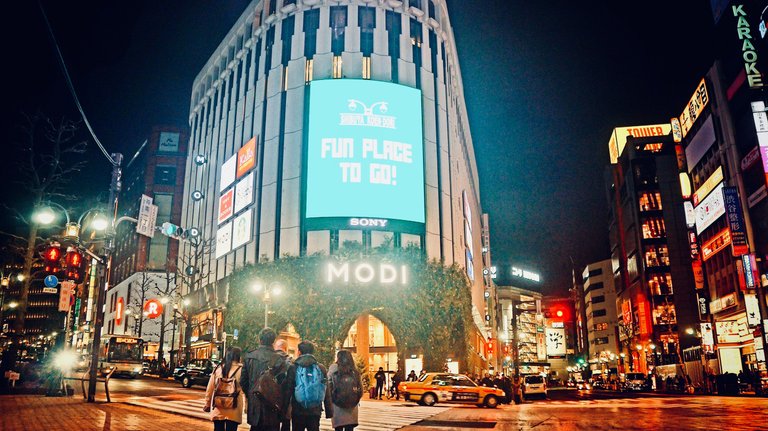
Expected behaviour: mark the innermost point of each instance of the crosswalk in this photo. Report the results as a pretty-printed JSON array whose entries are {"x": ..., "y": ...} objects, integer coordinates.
[
  {"x": 657, "y": 403},
  {"x": 374, "y": 416}
]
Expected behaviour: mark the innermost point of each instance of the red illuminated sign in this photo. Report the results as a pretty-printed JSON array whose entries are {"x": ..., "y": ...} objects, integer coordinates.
[
  {"x": 715, "y": 244},
  {"x": 226, "y": 205},
  {"x": 119, "y": 311},
  {"x": 153, "y": 308}
]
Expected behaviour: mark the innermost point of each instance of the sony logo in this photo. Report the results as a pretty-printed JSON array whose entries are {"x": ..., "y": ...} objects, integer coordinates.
[{"x": 368, "y": 222}]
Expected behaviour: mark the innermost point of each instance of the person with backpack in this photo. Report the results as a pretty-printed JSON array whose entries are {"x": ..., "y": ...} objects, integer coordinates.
[
  {"x": 281, "y": 348},
  {"x": 263, "y": 380},
  {"x": 224, "y": 397},
  {"x": 346, "y": 391},
  {"x": 311, "y": 390}
]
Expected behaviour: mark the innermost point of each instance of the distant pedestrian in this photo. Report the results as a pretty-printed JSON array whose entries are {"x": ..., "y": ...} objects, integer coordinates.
[
  {"x": 312, "y": 391},
  {"x": 411, "y": 376},
  {"x": 281, "y": 348},
  {"x": 421, "y": 374},
  {"x": 224, "y": 397},
  {"x": 487, "y": 380},
  {"x": 346, "y": 391},
  {"x": 263, "y": 378},
  {"x": 396, "y": 379},
  {"x": 381, "y": 379}
]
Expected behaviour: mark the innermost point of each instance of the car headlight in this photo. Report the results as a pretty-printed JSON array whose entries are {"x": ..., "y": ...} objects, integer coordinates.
[{"x": 137, "y": 369}]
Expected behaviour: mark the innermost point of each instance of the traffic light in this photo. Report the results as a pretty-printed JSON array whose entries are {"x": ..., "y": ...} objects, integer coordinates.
[
  {"x": 52, "y": 258},
  {"x": 171, "y": 230},
  {"x": 75, "y": 266},
  {"x": 558, "y": 312}
]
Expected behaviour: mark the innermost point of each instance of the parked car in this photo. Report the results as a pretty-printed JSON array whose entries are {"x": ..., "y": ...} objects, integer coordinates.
[
  {"x": 534, "y": 384},
  {"x": 635, "y": 382},
  {"x": 196, "y": 372},
  {"x": 450, "y": 388}
]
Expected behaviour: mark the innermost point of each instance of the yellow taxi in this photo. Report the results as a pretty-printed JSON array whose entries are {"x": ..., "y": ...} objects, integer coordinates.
[{"x": 435, "y": 388}]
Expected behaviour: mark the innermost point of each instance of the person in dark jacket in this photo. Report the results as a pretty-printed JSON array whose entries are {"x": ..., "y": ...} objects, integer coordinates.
[
  {"x": 411, "y": 376},
  {"x": 381, "y": 378},
  {"x": 309, "y": 418},
  {"x": 260, "y": 416},
  {"x": 396, "y": 379},
  {"x": 281, "y": 348}
]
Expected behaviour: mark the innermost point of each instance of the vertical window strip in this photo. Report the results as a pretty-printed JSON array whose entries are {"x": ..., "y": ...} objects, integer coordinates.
[{"x": 308, "y": 70}]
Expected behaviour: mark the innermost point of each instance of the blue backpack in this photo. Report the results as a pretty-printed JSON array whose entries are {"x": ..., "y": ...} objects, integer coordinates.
[{"x": 310, "y": 386}]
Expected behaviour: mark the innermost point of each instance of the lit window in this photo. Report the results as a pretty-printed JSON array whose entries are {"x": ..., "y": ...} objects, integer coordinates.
[
  {"x": 366, "y": 67},
  {"x": 653, "y": 227},
  {"x": 337, "y": 66},
  {"x": 650, "y": 201},
  {"x": 664, "y": 314}
]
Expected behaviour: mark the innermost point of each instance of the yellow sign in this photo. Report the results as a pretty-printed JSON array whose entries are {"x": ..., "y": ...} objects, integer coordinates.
[
  {"x": 709, "y": 185},
  {"x": 620, "y": 134},
  {"x": 692, "y": 111}
]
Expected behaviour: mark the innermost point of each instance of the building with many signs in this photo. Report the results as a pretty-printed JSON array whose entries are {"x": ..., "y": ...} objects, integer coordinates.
[
  {"x": 317, "y": 127},
  {"x": 651, "y": 263}
]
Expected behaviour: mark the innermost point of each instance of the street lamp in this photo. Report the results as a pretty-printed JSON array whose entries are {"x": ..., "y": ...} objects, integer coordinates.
[{"x": 267, "y": 292}]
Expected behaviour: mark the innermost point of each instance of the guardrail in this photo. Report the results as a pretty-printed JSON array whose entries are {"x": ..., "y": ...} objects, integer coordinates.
[{"x": 84, "y": 378}]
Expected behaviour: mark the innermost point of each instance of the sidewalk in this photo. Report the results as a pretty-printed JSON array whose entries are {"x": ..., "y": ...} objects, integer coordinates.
[{"x": 40, "y": 413}]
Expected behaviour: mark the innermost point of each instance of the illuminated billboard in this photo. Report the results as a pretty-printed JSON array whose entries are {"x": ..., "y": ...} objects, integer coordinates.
[
  {"x": 620, "y": 134},
  {"x": 365, "y": 154}
]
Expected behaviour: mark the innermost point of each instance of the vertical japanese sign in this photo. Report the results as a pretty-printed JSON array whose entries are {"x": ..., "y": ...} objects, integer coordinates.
[
  {"x": 760, "y": 119},
  {"x": 753, "y": 309},
  {"x": 694, "y": 107},
  {"x": 735, "y": 216},
  {"x": 555, "y": 342},
  {"x": 64, "y": 295}
]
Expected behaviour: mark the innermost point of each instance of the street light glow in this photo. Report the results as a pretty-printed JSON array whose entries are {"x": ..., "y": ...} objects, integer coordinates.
[
  {"x": 164, "y": 300},
  {"x": 277, "y": 290},
  {"x": 257, "y": 287},
  {"x": 689, "y": 331},
  {"x": 100, "y": 223},
  {"x": 13, "y": 304},
  {"x": 20, "y": 277},
  {"x": 44, "y": 216},
  {"x": 185, "y": 302}
]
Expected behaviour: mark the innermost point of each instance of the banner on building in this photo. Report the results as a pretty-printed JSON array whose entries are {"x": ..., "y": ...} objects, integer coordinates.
[
  {"x": 753, "y": 309},
  {"x": 707, "y": 337},
  {"x": 555, "y": 342},
  {"x": 735, "y": 217}
]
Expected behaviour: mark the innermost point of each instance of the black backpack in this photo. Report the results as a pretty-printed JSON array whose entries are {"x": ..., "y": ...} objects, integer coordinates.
[{"x": 347, "y": 390}]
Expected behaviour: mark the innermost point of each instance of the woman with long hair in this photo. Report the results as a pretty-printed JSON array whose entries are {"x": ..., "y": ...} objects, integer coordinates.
[
  {"x": 224, "y": 397},
  {"x": 346, "y": 391}
]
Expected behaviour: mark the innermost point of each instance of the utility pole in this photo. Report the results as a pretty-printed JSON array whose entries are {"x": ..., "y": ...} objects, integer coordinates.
[{"x": 101, "y": 293}]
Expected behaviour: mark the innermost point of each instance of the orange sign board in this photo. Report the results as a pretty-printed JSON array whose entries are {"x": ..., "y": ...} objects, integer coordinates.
[
  {"x": 246, "y": 157},
  {"x": 153, "y": 308},
  {"x": 718, "y": 242},
  {"x": 226, "y": 205},
  {"x": 620, "y": 134},
  {"x": 119, "y": 311}
]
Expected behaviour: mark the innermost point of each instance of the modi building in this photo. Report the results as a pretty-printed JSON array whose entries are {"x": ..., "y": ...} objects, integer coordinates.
[{"x": 318, "y": 127}]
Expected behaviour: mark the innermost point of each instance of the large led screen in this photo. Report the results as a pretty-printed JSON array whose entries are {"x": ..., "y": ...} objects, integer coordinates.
[{"x": 365, "y": 155}]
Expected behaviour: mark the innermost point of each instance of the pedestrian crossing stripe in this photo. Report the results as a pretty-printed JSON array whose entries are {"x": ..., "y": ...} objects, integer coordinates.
[
  {"x": 373, "y": 416},
  {"x": 656, "y": 403}
]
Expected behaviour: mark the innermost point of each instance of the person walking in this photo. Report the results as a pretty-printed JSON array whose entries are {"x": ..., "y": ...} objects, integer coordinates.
[
  {"x": 224, "y": 398},
  {"x": 346, "y": 390},
  {"x": 281, "y": 348},
  {"x": 312, "y": 393},
  {"x": 396, "y": 379},
  {"x": 265, "y": 389},
  {"x": 411, "y": 376},
  {"x": 381, "y": 379}
]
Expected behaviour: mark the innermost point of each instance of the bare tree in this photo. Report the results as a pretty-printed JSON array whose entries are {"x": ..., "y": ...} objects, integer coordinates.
[
  {"x": 194, "y": 268},
  {"x": 51, "y": 155},
  {"x": 143, "y": 285}
]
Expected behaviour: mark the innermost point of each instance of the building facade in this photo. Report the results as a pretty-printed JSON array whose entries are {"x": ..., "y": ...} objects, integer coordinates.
[
  {"x": 601, "y": 317},
  {"x": 651, "y": 262},
  {"x": 318, "y": 126}
]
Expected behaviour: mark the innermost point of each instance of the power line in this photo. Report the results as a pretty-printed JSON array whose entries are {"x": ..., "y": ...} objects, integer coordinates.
[{"x": 72, "y": 88}]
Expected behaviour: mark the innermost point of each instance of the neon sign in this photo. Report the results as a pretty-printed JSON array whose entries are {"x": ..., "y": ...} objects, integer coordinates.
[{"x": 364, "y": 273}]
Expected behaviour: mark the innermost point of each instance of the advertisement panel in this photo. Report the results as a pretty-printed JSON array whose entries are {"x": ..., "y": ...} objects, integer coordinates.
[
  {"x": 694, "y": 107},
  {"x": 760, "y": 119},
  {"x": 707, "y": 337},
  {"x": 735, "y": 221},
  {"x": 244, "y": 192},
  {"x": 241, "y": 233},
  {"x": 727, "y": 331},
  {"x": 753, "y": 309},
  {"x": 223, "y": 240},
  {"x": 365, "y": 155},
  {"x": 246, "y": 157},
  {"x": 555, "y": 342},
  {"x": 709, "y": 185},
  {"x": 710, "y": 209},
  {"x": 751, "y": 273},
  {"x": 700, "y": 144},
  {"x": 228, "y": 173},
  {"x": 226, "y": 205},
  {"x": 718, "y": 242},
  {"x": 620, "y": 134}
]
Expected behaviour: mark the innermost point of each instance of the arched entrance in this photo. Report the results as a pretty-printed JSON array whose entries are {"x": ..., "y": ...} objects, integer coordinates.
[{"x": 372, "y": 341}]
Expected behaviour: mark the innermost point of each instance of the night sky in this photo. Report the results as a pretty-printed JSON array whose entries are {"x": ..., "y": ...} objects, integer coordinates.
[{"x": 545, "y": 82}]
